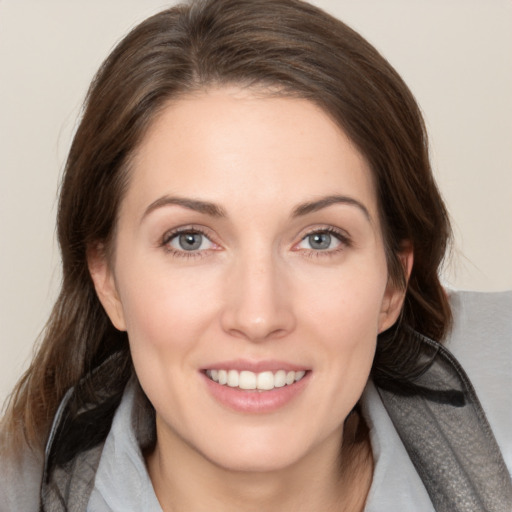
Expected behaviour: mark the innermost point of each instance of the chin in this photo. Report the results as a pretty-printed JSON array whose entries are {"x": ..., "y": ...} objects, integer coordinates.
[
  {"x": 260, "y": 450},
  {"x": 248, "y": 462}
]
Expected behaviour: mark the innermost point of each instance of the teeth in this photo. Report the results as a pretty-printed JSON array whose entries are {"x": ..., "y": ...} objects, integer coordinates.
[
  {"x": 247, "y": 380},
  {"x": 264, "y": 381},
  {"x": 233, "y": 379},
  {"x": 280, "y": 379},
  {"x": 223, "y": 377}
]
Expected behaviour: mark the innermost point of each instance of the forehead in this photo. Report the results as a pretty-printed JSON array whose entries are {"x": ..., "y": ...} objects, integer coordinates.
[{"x": 226, "y": 144}]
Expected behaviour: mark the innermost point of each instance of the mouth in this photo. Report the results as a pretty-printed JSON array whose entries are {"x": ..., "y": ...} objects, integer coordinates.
[
  {"x": 251, "y": 381},
  {"x": 256, "y": 387}
]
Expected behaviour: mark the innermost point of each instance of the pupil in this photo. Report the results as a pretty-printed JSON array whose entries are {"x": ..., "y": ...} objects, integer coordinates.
[
  {"x": 320, "y": 241},
  {"x": 190, "y": 241}
]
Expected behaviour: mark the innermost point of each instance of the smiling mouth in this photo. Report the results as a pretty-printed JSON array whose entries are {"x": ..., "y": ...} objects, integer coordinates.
[{"x": 247, "y": 380}]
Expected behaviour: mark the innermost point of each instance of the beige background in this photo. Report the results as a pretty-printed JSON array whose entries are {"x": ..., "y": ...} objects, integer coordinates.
[{"x": 456, "y": 55}]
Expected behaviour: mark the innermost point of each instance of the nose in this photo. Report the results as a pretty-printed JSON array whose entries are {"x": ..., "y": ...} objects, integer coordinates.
[{"x": 258, "y": 302}]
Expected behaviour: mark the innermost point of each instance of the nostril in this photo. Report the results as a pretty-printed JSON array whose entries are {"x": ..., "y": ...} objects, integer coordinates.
[{"x": 242, "y": 322}]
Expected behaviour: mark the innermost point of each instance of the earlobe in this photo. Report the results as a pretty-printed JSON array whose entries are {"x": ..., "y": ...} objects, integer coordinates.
[
  {"x": 105, "y": 286},
  {"x": 394, "y": 296}
]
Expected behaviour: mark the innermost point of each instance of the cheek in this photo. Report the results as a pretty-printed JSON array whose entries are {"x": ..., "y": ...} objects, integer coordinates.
[
  {"x": 351, "y": 344},
  {"x": 166, "y": 311},
  {"x": 342, "y": 314},
  {"x": 168, "y": 315},
  {"x": 346, "y": 301},
  {"x": 347, "y": 327}
]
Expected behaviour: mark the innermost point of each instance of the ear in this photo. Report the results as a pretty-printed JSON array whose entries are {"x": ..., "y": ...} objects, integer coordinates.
[
  {"x": 394, "y": 296},
  {"x": 105, "y": 285}
]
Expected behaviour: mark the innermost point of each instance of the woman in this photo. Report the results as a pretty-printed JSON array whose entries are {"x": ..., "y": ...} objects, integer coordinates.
[{"x": 251, "y": 235}]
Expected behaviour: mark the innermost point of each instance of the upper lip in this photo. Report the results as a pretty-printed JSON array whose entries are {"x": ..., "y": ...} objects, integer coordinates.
[{"x": 255, "y": 366}]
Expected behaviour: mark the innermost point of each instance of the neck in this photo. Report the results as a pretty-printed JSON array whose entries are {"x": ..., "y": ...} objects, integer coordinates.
[{"x": 336, "y": 477}]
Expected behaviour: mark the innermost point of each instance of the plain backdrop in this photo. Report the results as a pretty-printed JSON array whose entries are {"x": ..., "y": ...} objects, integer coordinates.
[{"x": 456, "y": 56}]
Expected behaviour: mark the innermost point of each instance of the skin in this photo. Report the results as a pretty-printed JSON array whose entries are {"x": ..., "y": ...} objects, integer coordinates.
[{"x": 256, "y": 289}]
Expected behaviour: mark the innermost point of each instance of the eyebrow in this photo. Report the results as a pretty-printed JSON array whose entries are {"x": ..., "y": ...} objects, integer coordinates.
[
  {"x": 214, "y": 210},
  {"x": 192, "y": 204},
  {"x": 324, "y": 202}
]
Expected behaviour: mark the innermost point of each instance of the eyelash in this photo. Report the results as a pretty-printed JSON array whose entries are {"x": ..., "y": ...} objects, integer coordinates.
[
  {"x": 170, "y": 235},
  {"x": 342, "y": 237}
]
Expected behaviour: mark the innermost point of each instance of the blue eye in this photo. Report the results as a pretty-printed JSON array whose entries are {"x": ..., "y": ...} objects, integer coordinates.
[
  {"x": 188, "y": 241},
  {"x": 321, "y": 241}
]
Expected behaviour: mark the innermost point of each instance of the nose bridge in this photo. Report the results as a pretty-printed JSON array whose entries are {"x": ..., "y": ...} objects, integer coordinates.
[{"x": 258, "y": 305}]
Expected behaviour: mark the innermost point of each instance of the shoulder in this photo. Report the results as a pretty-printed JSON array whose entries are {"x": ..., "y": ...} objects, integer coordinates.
[
  {"x": 20, "y": 481},
  {"x": 481, "y": 339},
  {"x": 488, "y": 313}
]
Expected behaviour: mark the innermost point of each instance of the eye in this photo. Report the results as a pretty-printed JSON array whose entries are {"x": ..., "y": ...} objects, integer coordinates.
[
  {"x": 188, "y": 241},
  {"x": 323, "y": 240},
  {"x": 320, "y": 241}
]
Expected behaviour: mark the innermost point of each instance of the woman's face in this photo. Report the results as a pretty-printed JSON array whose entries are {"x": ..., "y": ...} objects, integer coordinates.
[{"x": 249, "y": 250}]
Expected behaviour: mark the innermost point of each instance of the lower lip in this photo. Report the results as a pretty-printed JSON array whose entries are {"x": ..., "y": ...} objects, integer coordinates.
[{"x": 255, "y": 401}]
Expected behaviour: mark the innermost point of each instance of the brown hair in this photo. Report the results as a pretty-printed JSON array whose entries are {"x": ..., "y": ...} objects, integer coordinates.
[{"x": 288, "y": 46}]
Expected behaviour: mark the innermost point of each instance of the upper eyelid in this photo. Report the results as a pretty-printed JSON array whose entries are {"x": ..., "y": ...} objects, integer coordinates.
[
  {"x": 171, "y": 233},
  {"x": 341, "y": 233}
]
